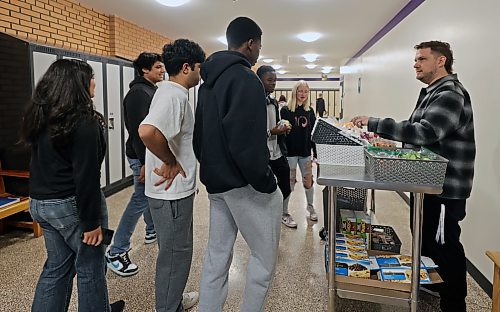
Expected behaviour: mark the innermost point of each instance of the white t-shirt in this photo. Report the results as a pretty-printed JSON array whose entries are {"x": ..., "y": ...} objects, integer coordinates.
[
  {"x": 272, "y": 141},
  {"x": 172, "y": 115}
]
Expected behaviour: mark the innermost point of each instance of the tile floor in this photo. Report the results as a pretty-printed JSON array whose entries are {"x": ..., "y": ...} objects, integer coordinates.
[{"x": 299, "y": 285}]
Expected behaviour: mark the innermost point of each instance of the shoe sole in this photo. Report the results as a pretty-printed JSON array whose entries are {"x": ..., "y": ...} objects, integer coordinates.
[
  {"x": 290, "y": 226},
  {"x": 313, "y": 219},
  {"x": 122, "y": 274},
  {"x": 150, "y": 241},
  {"x": 434, "y": 294}
]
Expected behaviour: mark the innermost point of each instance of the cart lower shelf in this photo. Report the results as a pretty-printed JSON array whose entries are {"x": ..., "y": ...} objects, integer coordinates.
[{"x": 372, "y": 290}]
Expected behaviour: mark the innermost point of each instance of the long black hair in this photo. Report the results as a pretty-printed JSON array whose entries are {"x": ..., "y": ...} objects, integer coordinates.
[{"x": 61, "y": 99}]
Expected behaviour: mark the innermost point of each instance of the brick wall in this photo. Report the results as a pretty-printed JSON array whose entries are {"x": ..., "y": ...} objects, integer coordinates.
[
  {"x": 127, "y": 40},
  {"x": 68, "y": 24}
]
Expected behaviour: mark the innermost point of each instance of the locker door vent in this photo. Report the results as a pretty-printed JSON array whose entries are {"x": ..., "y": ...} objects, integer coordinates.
[{"x": 45, "y": 49}]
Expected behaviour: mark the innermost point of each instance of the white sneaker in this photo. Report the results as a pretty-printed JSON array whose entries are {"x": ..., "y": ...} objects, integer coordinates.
[
  {"x": 312, "y": 213},
  {"x": 190, "y": 299},
  {"x": 288, "y": 221}
]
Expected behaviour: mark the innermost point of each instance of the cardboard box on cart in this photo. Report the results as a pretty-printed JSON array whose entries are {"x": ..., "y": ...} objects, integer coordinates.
[{"x": 375, "y": 286}]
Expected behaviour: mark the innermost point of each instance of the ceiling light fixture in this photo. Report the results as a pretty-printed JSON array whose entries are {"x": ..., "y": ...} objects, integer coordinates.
[
  {"x": 311, "y": 66},
  {"x": 310, "y": 57},
  {"x": 326, "y": 71},
  {"x": 282, "y": 72},
  {"x": 276, "y": 66},
  {"x": 309, "y": 36},
  {"x": 268, "y": 60},
  {"x": 172, "y": 3},
  {"x": 329, "y": 68},
  {"x": 222, "y": 39}
]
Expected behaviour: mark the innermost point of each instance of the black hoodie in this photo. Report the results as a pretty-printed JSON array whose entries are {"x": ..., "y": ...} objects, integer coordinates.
[
  {"x": 230, "y": 131},
  {"x": 135, "y": 108}
]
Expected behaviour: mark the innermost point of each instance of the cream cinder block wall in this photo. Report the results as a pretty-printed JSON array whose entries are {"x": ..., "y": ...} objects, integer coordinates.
[
  {"x": 69, "y": 25},
  {"x": 389, "y": 89}
]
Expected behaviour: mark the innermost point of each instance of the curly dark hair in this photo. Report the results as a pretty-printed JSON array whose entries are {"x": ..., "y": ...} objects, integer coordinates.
[
  {"x": 61, "y": 99},
  {"x": 146, "y": 60},
  {"x": 180, "y": 52},
  {"x": 439, "y": 48}
]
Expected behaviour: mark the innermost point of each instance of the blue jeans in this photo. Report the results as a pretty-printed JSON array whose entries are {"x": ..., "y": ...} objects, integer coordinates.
[
  {"x": 68, "y": 256},
  {"x": 137, "y": 206},
  {"x": 305, "y": 166}
]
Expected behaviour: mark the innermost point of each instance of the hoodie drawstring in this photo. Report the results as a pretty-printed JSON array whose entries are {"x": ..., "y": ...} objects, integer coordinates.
[{"x": 440, "y": 229}]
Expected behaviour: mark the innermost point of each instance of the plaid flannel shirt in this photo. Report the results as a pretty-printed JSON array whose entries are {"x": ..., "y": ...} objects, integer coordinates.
[{"x": 442, "y": 122}]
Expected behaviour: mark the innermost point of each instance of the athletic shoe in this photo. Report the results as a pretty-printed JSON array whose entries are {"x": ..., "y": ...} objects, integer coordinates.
[
  {"x": 312, "y": 213},
  {"x": 288, "y": 221},
  {"x": 150, "y": 238},
  {"x": 121, "y": 264},
  {"x": 429, "y": 291},
  {"x": 190, "y": 299},
  {"x": 118, "y": 306}
]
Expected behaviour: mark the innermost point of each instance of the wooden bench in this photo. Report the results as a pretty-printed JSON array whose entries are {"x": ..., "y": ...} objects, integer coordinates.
[
  {"x": 495, "y": 257},
  {"x": 22, "y": 205}
]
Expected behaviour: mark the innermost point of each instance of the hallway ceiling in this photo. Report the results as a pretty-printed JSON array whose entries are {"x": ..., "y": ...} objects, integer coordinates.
[{"x": 346, "y": 25}]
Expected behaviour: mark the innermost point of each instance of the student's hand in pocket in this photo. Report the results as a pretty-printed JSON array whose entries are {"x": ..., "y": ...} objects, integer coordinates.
[{"x": 142, "y": 176}]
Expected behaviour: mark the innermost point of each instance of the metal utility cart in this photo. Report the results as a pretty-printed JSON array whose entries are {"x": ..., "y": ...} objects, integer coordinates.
[{"x": 334, "y": 176}]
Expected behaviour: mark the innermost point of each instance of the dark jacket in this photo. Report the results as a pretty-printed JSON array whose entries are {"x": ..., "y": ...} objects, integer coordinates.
[
  {"x": 320, "y": 105},
  {"x": 230, "y": 131},
  {"x": 135, "y": 108},
  {"x": 298, "y": 141},
  {"x": 58, "y": 172},
  {"x": 443, "y": 122}
]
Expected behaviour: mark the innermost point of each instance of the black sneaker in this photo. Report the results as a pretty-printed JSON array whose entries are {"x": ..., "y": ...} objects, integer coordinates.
[
  {"x": 121, "y": 264},
  {"x": 118, "y": 306},
  {"x": 150, "y": 238},
  {"x": 431, "y": 291}
]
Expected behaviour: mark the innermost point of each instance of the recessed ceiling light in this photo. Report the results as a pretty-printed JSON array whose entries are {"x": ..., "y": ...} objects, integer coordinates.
[
  {"x": 268, "y": 60},
  {"x": 310, "y": 57},
  {"x": 326, "y": 71},
  {"x": 309, "y": 36},
  {"x": 172, "y": 3},
  {"x": 281, "y": 72},
  {"x": 311, "y": 66},
  {"x": 222, "y": 39},
  {"x": 329, "y": 68},
  {"x": 276, "y": 66}
]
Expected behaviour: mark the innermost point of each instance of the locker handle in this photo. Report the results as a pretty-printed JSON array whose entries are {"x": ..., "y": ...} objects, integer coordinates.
[{"x": 111, "y": 123}]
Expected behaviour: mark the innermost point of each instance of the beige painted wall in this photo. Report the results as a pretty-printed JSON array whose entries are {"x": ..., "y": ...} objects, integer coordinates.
[{"x": 389, "y": 89}]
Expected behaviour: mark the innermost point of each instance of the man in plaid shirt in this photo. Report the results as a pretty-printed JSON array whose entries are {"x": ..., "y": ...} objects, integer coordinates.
[{"x": 442, "y": 122}]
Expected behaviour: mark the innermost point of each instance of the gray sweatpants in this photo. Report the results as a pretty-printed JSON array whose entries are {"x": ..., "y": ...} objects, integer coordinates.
[
  {"x": 258, "y": 217},
  {"x": 173, "y": 221}
]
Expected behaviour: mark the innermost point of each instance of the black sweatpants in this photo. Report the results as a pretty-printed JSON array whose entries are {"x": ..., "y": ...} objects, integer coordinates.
[
  {"x": 450, "y": 256},
  {"x": 281, "y": 170}
]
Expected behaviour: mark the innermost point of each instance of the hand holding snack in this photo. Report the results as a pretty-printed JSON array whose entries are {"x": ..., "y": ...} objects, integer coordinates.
[
  {"x": 286, "y": 125},
  {"x": 360, "y": 121},
  {"x": 278, "y": 130}
]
